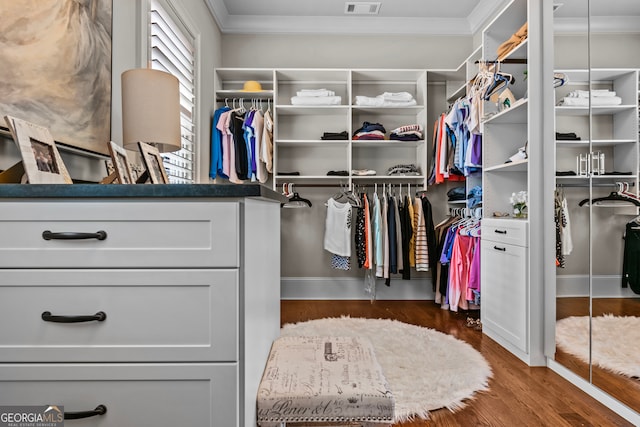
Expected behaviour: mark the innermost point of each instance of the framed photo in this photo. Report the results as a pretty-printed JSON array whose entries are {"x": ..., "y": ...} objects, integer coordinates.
[
  {"x": 120, "y": 162},
  {"x": 152, "y": 161},
  {"x": 40, "y": 157}
]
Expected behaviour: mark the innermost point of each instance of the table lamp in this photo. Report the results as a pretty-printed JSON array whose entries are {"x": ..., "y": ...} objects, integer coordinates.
[{"x": 150, "y": 109}]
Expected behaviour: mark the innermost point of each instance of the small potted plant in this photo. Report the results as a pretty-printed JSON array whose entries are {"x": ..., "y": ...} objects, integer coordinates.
[{"x": 519, "y": 202}]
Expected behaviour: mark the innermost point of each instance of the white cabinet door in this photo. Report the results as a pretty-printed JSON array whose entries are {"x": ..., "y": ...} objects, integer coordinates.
[
  {"x": 505, "y": 291},
  {"x": 119, "y": 234},
  {"x": 150, "y": 315},
  {"x": 160, "y": 395}
]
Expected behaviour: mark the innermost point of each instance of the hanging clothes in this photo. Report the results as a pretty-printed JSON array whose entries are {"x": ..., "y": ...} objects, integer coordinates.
[
  {"x": 631, "y": 257},
  {"x": 215, "y": 168},
  {"x": 378, "y": 230},
  {"x": 405, "y": 238},
  {"x": 241, "y": 144},
  {"x": 266, "y": 151},
  {"x": 564, "y": 243},
  {"x": 337, "y": 235},
  {"x": 360, "y": 236}
]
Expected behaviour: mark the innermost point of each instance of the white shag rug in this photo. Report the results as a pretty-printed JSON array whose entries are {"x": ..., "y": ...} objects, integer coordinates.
[
  {"x": 425, "y": 369},
  {"x": 615, "y": 343}
]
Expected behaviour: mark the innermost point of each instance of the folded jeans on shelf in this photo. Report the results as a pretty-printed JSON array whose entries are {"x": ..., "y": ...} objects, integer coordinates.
[{"x": 344, "y": 135}]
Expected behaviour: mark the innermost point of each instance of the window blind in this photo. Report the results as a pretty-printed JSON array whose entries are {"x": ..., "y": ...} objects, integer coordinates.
[{"x": 172, "y": 50}]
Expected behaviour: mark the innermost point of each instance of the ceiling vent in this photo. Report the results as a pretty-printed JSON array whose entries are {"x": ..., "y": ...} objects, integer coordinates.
[{"x": 362, "y": 8}]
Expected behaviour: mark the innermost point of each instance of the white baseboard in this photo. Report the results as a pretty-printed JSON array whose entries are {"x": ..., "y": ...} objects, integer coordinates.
[
  {"x": 574, "y": 285},
  {"x": 577, "y": 285},
  {"x": 328, "y": 288}
]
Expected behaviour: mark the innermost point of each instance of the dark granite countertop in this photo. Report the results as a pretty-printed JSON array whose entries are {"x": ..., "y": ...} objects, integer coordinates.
[{"x": 81, "y": 191}]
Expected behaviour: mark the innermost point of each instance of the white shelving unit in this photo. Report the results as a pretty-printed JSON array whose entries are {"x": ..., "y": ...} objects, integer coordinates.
[
  {"x": 612, "y": 130},
  {"x": 298, "y": 146},
  {"x": 512, "y": 297}
]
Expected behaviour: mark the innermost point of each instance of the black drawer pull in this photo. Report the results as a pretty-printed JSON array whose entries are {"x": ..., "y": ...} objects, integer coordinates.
[
  {"x": 100, "y": 410},
  {"x": 501, "y": 231},
  {"x": 48, "y": 317},
  {"x": 498, "y": 248},
  {"x": 72, "y": 235}
]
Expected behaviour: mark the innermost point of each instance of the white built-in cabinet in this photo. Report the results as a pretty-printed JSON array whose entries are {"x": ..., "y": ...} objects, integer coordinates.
[
  {"x": 129, "y": 305},
  {"x": 298, "y": 146},
  {"x": 511, "y": 285}
]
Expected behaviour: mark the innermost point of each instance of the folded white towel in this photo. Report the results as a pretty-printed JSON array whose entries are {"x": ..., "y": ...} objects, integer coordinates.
[
  {"x": 396, "y": 96},
  {"x": 315, "y": 92},
  {"x": 595, "y": 93},
  {"x": 595, "y": 101},
  {"x": 316, "y": 100},
  {"x": 367, "y": 101}
]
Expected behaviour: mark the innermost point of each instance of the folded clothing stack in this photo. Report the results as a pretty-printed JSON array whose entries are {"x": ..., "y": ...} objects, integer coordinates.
[
  {"x": 331, "y": 136},
  {"x": 456, "y": 193},
  {"x": 599, "y": 97},
  {"x": 567, "y": 136},
  {"x": 409, "y": 169},
  {"x": 316, "y": 97},
  {"x": 474, "y": 196},
  {"x": 407, "y": 133},
  {"x": 387, "y": 99},
  {"x": 370, "y": 131}
]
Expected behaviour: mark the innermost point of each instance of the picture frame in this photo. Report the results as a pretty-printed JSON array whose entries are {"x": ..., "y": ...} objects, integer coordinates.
[
  {"x": 41, "y": 160},
  {"x": 153, "y": 164},
  {"x": 121, "y": 170}
]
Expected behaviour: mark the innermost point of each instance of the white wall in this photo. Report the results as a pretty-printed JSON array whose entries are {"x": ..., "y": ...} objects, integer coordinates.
[{"x": 344, "y": 51}]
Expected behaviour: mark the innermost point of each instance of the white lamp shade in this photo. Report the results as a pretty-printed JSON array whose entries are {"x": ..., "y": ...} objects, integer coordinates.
[{"x": 150, "y": 109}]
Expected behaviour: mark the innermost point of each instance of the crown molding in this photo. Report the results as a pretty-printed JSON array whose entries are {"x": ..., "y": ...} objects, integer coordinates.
[
  {"x": 484, "y": 11},
  {"x": 218, "y": 11},
  {"x": 254, "y": 24}
]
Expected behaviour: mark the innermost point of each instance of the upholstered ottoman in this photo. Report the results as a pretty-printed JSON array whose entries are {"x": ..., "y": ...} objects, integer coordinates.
[{"x": 323, "y": 381}]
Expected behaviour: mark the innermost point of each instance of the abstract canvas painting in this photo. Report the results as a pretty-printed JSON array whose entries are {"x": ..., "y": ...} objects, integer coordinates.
[{"x": 56, "y": 68}]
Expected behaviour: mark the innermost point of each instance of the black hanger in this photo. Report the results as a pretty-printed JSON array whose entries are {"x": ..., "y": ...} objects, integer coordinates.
[
  {"x": 614, "y": 196},
  {"x": 296, "y": 198}
]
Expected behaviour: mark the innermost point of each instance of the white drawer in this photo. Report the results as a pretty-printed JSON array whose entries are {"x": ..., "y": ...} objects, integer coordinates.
[
  {"x": 505, "y": 291},
  {"x": 509, "y": 231},
  {"x": 138, "y": 234},
  {"x": 195, "y": 395},
  {"x": 151, "y": 315}
]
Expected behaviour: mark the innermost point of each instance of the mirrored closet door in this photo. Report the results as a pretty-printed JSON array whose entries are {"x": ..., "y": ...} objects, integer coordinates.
[{"x": 597, "y": 199}]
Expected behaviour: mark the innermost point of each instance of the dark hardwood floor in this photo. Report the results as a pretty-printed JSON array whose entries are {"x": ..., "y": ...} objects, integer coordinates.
[{"x": 519, "y": 395}]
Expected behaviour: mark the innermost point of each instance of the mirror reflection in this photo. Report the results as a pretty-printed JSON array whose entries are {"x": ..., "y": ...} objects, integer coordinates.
[{"x": 597, "y": 131}]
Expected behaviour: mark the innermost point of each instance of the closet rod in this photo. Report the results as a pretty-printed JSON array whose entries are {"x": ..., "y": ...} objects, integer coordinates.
[
  {"x": 359, "y": 185},
  {"x": 246, "y": 99},
  {"x": 599, "y": 184},
  {"x": 504, "y": 61}
]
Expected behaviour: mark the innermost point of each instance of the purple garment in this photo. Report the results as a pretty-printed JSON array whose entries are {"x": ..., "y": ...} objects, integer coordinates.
[
  {"x": 250, "y": 138},
  {"x": 474, "y": 273},
  {"x": 447, "y": 248},
  {"x": 476, "y": 149}
]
